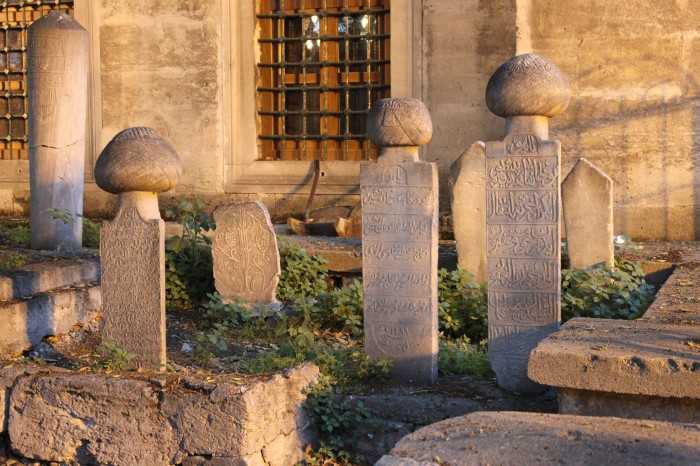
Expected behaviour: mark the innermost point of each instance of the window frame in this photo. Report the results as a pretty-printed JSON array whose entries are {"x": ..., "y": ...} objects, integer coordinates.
[{"x": 243, "y": 171}]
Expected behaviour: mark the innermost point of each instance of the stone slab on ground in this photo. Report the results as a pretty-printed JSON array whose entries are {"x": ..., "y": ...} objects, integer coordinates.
[
  {"x": 98, "y": 418},
  {"x": 620, "y": 356},
  {"x": 42, "y": 277},
  {"x": 507, "y": 438},
  {"x": 27, "y": 322}
]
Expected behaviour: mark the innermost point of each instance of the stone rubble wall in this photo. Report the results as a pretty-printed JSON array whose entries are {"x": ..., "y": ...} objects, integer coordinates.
[{"x": 96, "y": 418}]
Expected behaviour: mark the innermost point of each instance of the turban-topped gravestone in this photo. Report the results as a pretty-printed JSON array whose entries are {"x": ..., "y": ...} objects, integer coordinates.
[
  {"x": 399, "y": 242},
  {"x": 137, "y": 164},
  {"x": 523, "y": 215}
]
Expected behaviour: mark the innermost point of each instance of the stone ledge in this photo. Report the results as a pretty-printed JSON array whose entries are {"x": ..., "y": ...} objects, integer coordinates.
[
  {"x": 97, "y": 418},
  {"x": 43, "y": 277},
  {"x": 509, "y": 438},
  {"x": 25, "y": 323},
  {"x": 620, "y": 356}
]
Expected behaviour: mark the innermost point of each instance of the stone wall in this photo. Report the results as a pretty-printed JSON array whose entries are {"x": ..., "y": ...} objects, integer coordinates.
[{"x": 633, "y": 111}]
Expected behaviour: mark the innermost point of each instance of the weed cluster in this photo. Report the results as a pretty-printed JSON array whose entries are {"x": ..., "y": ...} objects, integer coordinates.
[
  {"x": 610, "y": 293},
  {"x": 13, "y": 261},
  {"x": 189, "y": 274}
]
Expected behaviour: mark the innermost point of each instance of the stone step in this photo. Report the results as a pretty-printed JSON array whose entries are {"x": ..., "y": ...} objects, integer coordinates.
[
  {"x": 509, "y": 438},
  {"x": 26, "y": 322},
  {"x": 648, "y": 368},
  {"x": 42, "y": 277}
]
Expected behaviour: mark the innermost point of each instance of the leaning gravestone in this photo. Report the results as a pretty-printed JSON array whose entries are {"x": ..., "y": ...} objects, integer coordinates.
[
  {"x": 399, "y": 242},
  {"x": 245, "y": 254},
  {"x": 57, "y": 77},
  {"x": 522, "y": 215},
  {"x": 587, "y": 196},
  {"x": 468, "y": 196},
  {"x": 137, "y": 164}
]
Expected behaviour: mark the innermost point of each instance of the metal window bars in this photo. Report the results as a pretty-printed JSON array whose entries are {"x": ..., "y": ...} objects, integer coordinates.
[
  {"x": 322, "y": 64},
  {"x": 16, "y": 16}
]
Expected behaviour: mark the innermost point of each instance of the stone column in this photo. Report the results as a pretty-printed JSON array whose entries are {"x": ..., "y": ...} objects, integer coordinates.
[
  {"x": 137, "y": 164},
  {"x": 57, "y": 76},
  {"x": 523, "y": 215},
  {"x": 399, "y": 242}
]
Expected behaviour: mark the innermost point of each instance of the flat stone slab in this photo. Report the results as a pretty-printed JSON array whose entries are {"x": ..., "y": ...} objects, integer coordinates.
[
  {"x": 42, "y": 277},
  {"x": 156, "y": 419},
  {"x": 508, "y": 438},
  {"x": 620, "y": 356}
]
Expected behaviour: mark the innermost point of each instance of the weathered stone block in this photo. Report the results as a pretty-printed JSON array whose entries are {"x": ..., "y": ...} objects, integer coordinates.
[
  {"x": 245, "y": 254},
  {"x": 89, "y": 419},
  {"x": 587, "y": 198}
]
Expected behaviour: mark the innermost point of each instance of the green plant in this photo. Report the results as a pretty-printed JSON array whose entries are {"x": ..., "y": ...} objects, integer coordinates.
[
  {"x": 17, "y": 235},
  {"x": 302, "y": 276},
  {"x": 341, "y": 309},
  {"x": 114, "y": 357},
  {"x": 91, "y": 228},
  {"x": 335, "y": 420},
  {"x": 13, "y": 261},
  {"x": 188, "y": 262},
  {"x": 617, "y": 293},
  {"x": 462, "y": 305},
  {"x": 224, "y": 315},
  {"x": 460, "y": 356}
]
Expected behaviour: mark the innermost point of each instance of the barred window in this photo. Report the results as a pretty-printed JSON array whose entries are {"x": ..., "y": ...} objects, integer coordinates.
[
  {"x": 322, "y": 64},
  {"x": 16, "y": 16}
]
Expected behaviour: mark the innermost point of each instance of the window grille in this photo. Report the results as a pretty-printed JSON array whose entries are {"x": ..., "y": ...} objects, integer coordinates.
[
  {"x": 16, "y": 15},
  {"x": 322, "y": 64}
]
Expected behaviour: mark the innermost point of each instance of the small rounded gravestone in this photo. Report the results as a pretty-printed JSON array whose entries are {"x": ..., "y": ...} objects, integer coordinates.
[
  {"x": 137, "y": 164},
  {"x": 528, "y": 85},
  {"x": 399, "y": 122}
]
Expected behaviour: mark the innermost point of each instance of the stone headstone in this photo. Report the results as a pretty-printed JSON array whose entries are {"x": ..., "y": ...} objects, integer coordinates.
[
  {"x": 137, "y": 164},
  {"x": 246, "y": 258},
  {"x": 57, "y": 80},
  {"x": 399, "y": 242},
  {"x": 522, "y": 215},
  {"x": 587, "y": 196},
  {"x": 468, "y": 196}
]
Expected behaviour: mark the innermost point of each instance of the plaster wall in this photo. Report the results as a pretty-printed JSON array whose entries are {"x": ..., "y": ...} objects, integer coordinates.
[{"x": 634, "y": 109}]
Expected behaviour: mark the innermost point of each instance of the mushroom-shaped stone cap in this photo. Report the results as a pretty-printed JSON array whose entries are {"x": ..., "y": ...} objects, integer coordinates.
[
  {"x": 528, "y": 85},
  {"x": 138, "y": 159},
  {"x": 399, "y": 122}
]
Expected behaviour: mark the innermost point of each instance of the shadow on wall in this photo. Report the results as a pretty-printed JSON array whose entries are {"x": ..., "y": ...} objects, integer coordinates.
[{"x": 647, "y": 138}]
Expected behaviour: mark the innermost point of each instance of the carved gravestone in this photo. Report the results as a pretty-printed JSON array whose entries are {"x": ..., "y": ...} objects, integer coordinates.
[
  {"x": 137, "y": 164},
  {"x": 246, "y": 258},
  {"x": 399, "y": 242},
  {"x": 587, "y": 196},
  {"x": 468, "y": 196},
  {"x": 57, "y": 76},
  {"x": 522, "y": 215}
]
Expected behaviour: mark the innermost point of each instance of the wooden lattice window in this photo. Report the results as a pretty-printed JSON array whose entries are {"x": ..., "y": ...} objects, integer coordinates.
[
  {"x": 322, "y": 64},
  {"x": 16, "y": 15}
]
